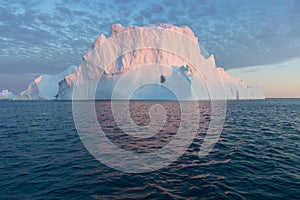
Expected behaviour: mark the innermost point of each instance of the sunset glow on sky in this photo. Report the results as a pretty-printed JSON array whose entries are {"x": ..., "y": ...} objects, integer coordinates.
[
  {"x": 259, "y": 41},
  {"x": 276, "y": 81}
]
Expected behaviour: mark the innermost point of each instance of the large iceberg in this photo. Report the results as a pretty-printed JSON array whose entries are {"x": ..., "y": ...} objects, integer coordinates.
[
  {"x": 126, "y": 76},
  {"x": 131, "y": 69}
]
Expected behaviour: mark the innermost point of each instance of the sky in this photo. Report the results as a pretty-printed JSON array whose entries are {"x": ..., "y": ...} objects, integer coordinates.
[
  {"x": 281, "y": 80},
  {"x": 45, "y": 37}
]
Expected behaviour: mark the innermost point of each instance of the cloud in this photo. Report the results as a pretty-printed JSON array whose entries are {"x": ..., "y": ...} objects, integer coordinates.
[
  {"x": 51, "y": 35},
  {"x": 63, "y": 10},
  {"x": 156, "y": 8}
]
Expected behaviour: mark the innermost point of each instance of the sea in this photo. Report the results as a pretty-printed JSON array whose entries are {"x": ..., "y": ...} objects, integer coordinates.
[{"x": 257, "y": 155}]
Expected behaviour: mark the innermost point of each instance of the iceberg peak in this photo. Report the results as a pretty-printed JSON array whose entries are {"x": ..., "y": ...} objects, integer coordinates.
[{"x": 168, "y": 68}]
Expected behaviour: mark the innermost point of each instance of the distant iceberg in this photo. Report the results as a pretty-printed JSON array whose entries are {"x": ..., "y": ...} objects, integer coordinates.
[
  {"x": 45, "y": 87},
  {"x": 61, "y": 86},
  {"x": 7, "y": 95}
]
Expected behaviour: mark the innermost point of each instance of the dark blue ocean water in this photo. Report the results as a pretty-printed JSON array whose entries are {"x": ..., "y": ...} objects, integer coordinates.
[{"x": 257, "y": 156}]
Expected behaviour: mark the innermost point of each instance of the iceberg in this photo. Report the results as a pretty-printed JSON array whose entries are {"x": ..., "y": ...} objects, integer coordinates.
[
  {"x": 131, "y": 70},
  {"x": 45, "y": 87},
  {"x": 143, "y": 73},
  {"x": 7, "y": 95}
]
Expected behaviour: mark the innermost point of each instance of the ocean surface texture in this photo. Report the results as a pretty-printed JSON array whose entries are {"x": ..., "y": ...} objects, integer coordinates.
[{"x": 256, "y": 157}]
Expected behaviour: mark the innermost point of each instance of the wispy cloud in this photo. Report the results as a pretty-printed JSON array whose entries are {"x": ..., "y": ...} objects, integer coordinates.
[{"x": 57, "y": 33}]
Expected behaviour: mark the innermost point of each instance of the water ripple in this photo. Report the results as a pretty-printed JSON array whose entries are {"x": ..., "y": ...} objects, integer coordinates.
[{"x": 257, "y": 156}]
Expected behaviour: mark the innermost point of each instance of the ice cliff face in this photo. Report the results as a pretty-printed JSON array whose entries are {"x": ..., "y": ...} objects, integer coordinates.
[
  {"x": 6, "y": 95},
  {"x": 45, "y": 87},
  {"x": 131, "y": 67},
  {"x": 127, "y": 63}
]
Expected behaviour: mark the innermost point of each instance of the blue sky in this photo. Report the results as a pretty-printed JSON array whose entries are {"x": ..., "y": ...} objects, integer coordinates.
[{"x": 45, "y": 37}]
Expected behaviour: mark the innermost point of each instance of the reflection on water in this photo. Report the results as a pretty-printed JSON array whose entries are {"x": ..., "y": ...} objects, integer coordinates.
[
  {"x": 257, "y": 156},
  {"x": 139, "y": 113}
]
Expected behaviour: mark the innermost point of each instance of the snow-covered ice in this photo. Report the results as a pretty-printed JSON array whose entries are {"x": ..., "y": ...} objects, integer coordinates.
[
  {"x": 129, "y": 75},
  {"x": 7, "y": 95},
  {"x": 45, "y": 87}
]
